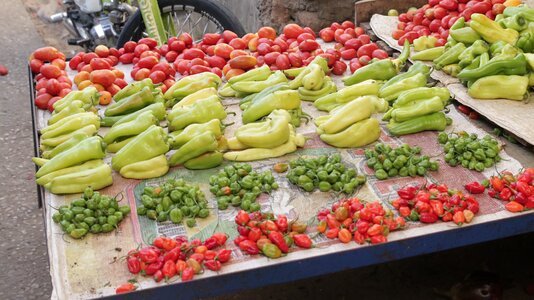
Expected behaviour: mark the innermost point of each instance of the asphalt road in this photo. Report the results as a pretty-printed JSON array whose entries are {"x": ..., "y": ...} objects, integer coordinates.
[{"x": 23, "y": 255}]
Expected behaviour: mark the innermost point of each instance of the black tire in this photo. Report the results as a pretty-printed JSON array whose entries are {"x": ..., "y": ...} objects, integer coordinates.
[{"x": 217, "y": 13}]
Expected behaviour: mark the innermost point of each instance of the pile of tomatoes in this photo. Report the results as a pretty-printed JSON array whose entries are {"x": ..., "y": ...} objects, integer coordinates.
[
  {"x": 352, "y": 44},
  {"x": 432, "y": 202},
  {"x": 52, "y": 81},
  {"x": 169, "y": 257},
  {"x": 351, "y": 219},
  {"x": 436, "y": 17},
  {"x": 269, "y": 235},
  {"x": 517, "y": 190}
]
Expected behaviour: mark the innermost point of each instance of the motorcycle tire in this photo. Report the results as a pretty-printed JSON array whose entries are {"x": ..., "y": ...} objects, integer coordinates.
[{"x": 217, "y": 13}]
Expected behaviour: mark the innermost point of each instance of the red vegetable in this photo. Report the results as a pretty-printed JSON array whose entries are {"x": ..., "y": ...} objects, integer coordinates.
[{"x": 475, "y": 188}]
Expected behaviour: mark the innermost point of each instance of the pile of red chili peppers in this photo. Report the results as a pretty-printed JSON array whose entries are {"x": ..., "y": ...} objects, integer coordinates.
[
  {"x": 518, "y": 189},
  {"x": 350, "y": 219},
  {"x": 168, "y": 257},
  {"x": 269, "y": 235},
  {"x": 430, "y": 203}
]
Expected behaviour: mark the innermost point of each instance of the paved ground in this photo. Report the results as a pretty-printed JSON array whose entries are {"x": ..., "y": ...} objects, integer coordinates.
[{"x": 23, "y": 254}]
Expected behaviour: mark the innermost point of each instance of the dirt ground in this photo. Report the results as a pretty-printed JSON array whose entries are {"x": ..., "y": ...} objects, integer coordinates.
[{"x": 23, "y": 252}]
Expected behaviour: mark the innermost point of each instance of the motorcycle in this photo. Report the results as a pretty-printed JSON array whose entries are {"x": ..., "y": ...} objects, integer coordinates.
[{"x": 114, "y": 22}]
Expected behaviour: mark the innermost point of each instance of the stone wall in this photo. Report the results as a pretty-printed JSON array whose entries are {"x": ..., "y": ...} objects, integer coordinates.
[
  {"x": 313, "y": 13},
  {"x": 277, "y": 13}
]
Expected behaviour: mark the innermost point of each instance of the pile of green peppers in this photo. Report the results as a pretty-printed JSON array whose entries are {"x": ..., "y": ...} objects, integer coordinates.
[
  {"x": 417, "y": 110},
  {"x": 174, "y": 200},
  {"x": 93, "y": 212},
  {"x": 196, "y": 131},
  {"x": 71, "y": 156},
  {"x": 490, "y": 57},
  {"x": 351, "y": 125}
]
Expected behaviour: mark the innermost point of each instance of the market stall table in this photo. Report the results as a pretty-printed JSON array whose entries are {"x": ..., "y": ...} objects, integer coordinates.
[{"x": 93, "y": 267}]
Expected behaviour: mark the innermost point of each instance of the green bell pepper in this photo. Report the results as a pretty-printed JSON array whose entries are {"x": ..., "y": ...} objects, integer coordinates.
[
  {"x": 150, "y": 168},
  {"x": 522, "y": 10},
  {"x": 286, "y": 99},
  {"x": 205, "y": 161},
  {"x": 492, "y": 32},
  {"x": 198, "y": 145},
  {"x": 360, "y": 109},
  {"x": 258, "y": 74},
  {"x": 74, "y": 140},
  {"x": 72, "y": 108},
  {"x": 267, "y": 134},
  {"x": 434, "y": 121},
  {"x": 148, "y": 144},
  {"x": 258, "y": 86},
  {"x": 511, "y": 87},
  {"x": 181, "y": 137},
  {"x": 131, "y": 128},
  {"x": 70, "y": 124},
  {"x": 357, "y": 135},
  {"x": 200, "y": 112},
  {"x": 469, "y": 54},
  {"x": 417, "y": 67},
  {"x": 463, "y": 34},
  {"x": 515, "y": 66},
  {"x": 157, "y": 109},
  {"x": 393, "y": 91},
  {"x": 428, "y": 54},
  {"x": 133, "y": 88},
  {"x": 516, "y": 22},
  {"x": 131, "y": 103},
  {"x": 381, "y": 70},
  {"x": 450, "y": 56},
  {"x": 88, "y": 149},
  {"x": 89, "y": 96},
  {"x": 420, "y": 108},
  {"x": 71, "y": 183}
]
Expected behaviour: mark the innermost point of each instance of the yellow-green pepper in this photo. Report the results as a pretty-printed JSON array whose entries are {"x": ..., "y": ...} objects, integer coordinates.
[
  {"x": 198, "y": 145},
  {"x": 358, "y": 134},
  {"x": 150, "y": 168},
  {"x": 131, "y": 128},
  {"x": 267, "y": 134},
  {"x": 201, "y": 111},
  {"x": 352, "y": 112},
  {"x": 286, "y": 99},
  {"x": 88, "y": 149},
  {"x": 149, "y": 144},
  {"x": 180, "y": 137}
]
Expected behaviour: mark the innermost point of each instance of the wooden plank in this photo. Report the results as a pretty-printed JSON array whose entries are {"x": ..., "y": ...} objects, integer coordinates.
[{"x": 363, "y": 10}]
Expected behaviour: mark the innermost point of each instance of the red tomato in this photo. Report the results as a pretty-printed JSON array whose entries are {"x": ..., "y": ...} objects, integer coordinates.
[
  {"x": 354, "y": 43},
  {"x": 348, "y": 54},
  {"x": 344, "y": 37},
  {"x": 282, "y": 62},
  {"x": 364, "y": 60},
  {"x": 366, "y": 50},
  {"x": 440, "y": 12},
  {"x": 308, "y": 45},
  {"x": 380, "y": 54},
  {"x": 270, "y": 58},
  {"x": 295, "y": 60},
  {"x": 365, "y": 39},
  {"x": 397, "y": 34},
  {"x": 435, "y": 25},
  {"x": 193, "y": 53},
  {"x": 327, "y": 34},
  {"x": 41, "y": 101},
  {"x": 292, "y": 31},
  {"x": 211, "y": 38},
  {"x": 339, "y": 68}
]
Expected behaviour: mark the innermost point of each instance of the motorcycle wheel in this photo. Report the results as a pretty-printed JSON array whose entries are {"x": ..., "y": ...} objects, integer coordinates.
[{"x": 195, "y": 17}]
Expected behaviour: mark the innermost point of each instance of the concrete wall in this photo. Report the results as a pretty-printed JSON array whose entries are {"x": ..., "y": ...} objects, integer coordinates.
[{"x": 277, "y": 13}]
